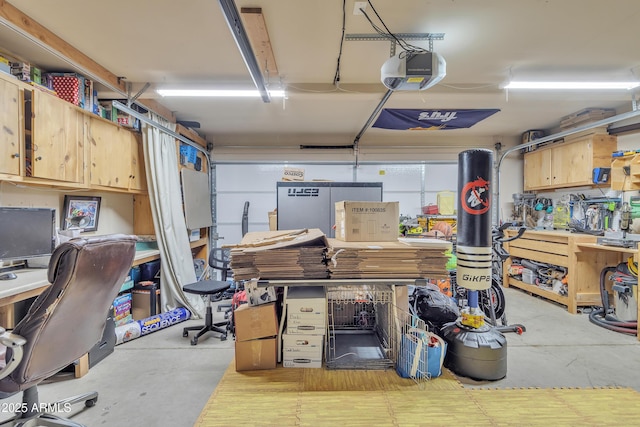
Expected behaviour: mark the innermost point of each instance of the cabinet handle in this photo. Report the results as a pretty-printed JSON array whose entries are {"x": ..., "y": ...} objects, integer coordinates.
[
  {"x": 39, "y": 158},
  {"x": 16, "y": 155}
]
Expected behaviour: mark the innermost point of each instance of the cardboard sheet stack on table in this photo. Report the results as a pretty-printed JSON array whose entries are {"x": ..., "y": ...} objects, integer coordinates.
[
  {"x": 282, "y": 254},
  {"x": 403, "y": 259}
]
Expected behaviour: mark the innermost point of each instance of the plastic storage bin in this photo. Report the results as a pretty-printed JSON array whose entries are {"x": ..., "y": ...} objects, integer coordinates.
[{"x": 528, "y": 276}]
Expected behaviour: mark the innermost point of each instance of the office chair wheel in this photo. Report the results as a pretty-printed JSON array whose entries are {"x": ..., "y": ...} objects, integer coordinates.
[
  {"x": 185, "y": 333},
  {"x": 223, "y": 337},
  {"x": 194, "y": 341},
  {"x": 91, "y": 402}
]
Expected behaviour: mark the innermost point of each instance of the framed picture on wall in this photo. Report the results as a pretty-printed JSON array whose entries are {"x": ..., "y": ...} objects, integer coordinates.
[{"x": 80, "y": 212}]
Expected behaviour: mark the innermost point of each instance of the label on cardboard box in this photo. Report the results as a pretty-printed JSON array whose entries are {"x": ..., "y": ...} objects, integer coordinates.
[
  {"x": 367, "y": 221},
  {"x": 293, "y": 174}
]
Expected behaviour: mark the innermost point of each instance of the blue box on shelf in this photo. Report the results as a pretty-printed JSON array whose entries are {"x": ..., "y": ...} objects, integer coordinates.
[{"x": 148, "y": 270}]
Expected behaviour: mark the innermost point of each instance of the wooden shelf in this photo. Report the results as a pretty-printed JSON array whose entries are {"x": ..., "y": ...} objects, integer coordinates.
[
  {"x": 539, "y": 291},
  {"x": 597, "y": 247},
  {"x": 197, "y": 243},
  {"x": 145, "y": 256}
]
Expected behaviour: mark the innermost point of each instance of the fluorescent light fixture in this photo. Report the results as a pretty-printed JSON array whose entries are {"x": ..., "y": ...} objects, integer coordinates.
[
  {"x": 219, "y": 93},
  {"x": 230, "y": 12},
  {"x": 573, "y": 85}
]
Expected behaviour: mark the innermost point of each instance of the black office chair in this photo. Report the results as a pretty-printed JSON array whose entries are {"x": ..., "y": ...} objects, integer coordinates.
[
  {"x": 219, "y": 259},
  {"x": 213, "y": 290},
  {"x": 64, "y": 322}
]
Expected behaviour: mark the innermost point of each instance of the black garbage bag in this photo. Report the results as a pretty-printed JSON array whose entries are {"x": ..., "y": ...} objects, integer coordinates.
[{"x": 433, "y": 307}]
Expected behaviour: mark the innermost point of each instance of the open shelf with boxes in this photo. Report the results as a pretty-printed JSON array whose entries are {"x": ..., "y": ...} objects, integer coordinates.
[{"x": 625, "y": 173}]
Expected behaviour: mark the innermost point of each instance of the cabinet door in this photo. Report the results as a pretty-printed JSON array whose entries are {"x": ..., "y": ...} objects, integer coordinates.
[
  {"x": 572, "y": 164},
  {"x": 138, "y": 180},
  {"x": 56, "y": 151},
  {"x": 10, "y": 123},
  {"x": 537, "y": 169},
  {"x": 110, "y": 154}
]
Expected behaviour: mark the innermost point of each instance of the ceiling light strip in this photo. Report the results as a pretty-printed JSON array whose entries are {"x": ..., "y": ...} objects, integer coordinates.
[
  {"x": 242, "y": 40},
  {"x": 572, "y": 85}
]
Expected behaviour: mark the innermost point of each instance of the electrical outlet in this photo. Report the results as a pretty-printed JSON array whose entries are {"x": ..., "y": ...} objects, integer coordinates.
[{"x": 359, "y": 5}]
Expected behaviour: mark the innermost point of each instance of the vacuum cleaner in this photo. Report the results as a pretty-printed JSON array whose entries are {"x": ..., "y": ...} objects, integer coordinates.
[{"x": 623, "y": 317}]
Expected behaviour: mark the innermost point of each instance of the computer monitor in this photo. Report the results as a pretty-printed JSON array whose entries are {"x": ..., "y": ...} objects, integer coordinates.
[{"x": 26, "y": 233}]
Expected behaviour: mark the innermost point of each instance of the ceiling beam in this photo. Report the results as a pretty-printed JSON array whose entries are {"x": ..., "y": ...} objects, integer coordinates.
[
  {"x": 256, "y": 29},
  {"x": 232, "y": 16},
  {"x": 15, "y": 19}
]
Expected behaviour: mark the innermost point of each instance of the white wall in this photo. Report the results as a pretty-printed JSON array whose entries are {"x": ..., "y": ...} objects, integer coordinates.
[
  {"x": 116, "y": 209},
  {"x": 413, "y": 185}
]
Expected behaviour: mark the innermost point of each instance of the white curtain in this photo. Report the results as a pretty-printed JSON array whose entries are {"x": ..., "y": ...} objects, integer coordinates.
[{"x": 165, "y": 194}]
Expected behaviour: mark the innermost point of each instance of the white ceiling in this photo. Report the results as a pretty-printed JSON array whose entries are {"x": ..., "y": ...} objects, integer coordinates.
[{"x": 183, "y": 43}]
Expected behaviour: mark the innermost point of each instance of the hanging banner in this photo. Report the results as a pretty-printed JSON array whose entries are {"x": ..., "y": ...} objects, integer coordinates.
[{"x": 408, "y": 119}]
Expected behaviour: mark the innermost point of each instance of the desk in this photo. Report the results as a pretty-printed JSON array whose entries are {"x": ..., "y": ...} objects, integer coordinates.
[{"x": 32, "y": 282}]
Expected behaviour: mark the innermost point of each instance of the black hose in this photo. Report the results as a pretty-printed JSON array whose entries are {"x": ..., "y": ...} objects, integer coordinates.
[{"x": 599, "y": 316}]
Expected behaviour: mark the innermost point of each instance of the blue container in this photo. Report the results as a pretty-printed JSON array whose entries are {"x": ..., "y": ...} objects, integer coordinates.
[
  {"x": 419, "y": 358},
  {"x": 148, "y": 270}
]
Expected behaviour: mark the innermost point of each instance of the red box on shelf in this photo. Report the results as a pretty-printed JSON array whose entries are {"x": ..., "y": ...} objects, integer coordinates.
[
  {"x": 430, "y": 210},
  {"x": 69, "y": 89}
]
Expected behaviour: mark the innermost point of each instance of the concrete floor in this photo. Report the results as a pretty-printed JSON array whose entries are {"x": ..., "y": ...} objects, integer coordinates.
[{"x": 161, "y": 380}]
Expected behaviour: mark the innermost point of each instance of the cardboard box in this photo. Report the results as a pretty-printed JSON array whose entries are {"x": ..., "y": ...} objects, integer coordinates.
[
  {"x": 301, "y": 362},
  {"x": 367, "y": 221},
  {"x": 141, "y": 303},
  {"x": 5, "y": 65},
  {"x": 293, "y": 174},
  {"x": 256, "y": 354},
  {"x": 273, "y": 220},
  {"x": 310, "y": 346},
  {"x": 70, "y": 87},
  {"x": 253, "y": 322},
  {"x": 306, "y": 310}
]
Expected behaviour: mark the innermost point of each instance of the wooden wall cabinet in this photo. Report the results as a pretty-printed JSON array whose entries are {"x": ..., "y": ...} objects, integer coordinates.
[
  {"x": 54, "y": 138},
  {"x": 45, "y": 140},
  {"x": 569, "y": 164},
  {"x": 537, "y": 169},
  {"x": 11, "y": 149},
  {"x": 115, "y": 156}
]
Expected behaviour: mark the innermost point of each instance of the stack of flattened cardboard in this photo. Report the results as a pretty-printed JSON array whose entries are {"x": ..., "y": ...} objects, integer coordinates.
[
  {"x": 584, "y": 116},
  {"x": 282, "y": 254},
  {"x": 396, "y": 260}
]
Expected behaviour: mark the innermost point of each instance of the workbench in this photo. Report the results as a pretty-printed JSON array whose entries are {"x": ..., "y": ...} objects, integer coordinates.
[{"x": 579, "y": 253}]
